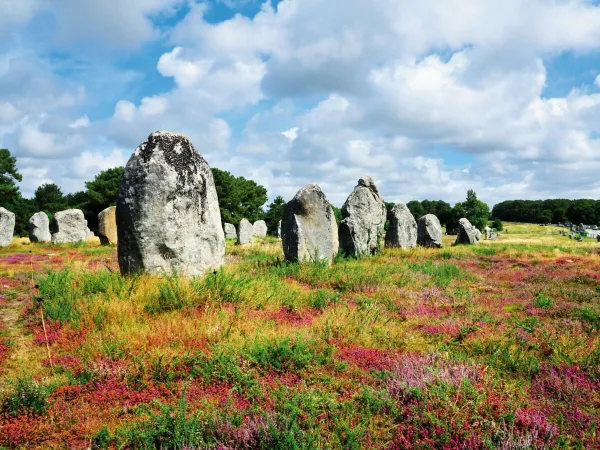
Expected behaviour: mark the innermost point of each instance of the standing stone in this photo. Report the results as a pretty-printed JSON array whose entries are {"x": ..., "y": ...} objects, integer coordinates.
[
  {"x": 309, "y": 230},
  {"x": 429, "y": 231},
  {"x": 466, "y": 232},
  {"x": 107, "y": 226},
  {"x": 488, "y": 232},
  {"x": 7, "y": 227},
  {"x": 260, "y": 228},
  {"x": 245, "y": 232},
  {"x": 477, "y": 234},
  {"x": 402, "y": 232},
  {"x": 68, "y": 227},
  {"x": 279, "y": 229},
  {"x": 168, "y": 217},
  {"x": 39, "y": 228},
  {"x": 229, "y": 230},
  {"x": 363, "y": 223}
]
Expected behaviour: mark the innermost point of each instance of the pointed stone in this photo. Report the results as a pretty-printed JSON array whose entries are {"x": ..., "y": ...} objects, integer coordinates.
[
  {"x": 402, "y": 231},
  {"x": 245, "y": 231}
]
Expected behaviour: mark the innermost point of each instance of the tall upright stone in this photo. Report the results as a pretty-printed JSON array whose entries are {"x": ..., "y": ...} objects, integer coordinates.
[
  {"x": 7, "y": 226},
  {"x": 364, "y": 214},
  {"x": 467, "y": 233},
  {"x": 279, "y": 229},
  {"x": 168, "y": 217},
  {"x": 39, "y": 228},
  {"x": 402, "y": 231},
  {"x": 107, "y": 226},
  {"x": 429, "y": 231},
  {"x": 245, "y": 231},
  {"x": 69, "y": 226},
  {"x": 259, "y": 228},
  {"x": 308, "y": 229},
  {"x": 229, "y": 230}
]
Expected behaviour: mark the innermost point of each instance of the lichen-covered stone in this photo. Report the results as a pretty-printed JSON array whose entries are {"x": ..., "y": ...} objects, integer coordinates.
[
  {"x": 229, "y": 230},
  {"x": 69, "y": 226},
  {"x": 429, "y": 231},
  {"x": 402, "y": 231},
  {"x": 259, "y": 228},
  {"x": 7, "y": 226},
  {"x": 467, "y": 233},
  {"x": 168, "y": 217},
  {"x": 364, "y": 214},
  {"x": 39, "y": 228},
  {"x": 107, "y": 226},
  {"x": 245, "y": 231},
  {"x": 308, "y": 229}
]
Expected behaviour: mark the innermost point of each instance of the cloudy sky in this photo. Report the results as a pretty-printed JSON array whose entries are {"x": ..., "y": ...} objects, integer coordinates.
[{"x": 430, "y": 98}]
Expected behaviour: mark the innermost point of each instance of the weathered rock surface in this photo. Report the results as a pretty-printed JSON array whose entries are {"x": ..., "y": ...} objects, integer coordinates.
[
  {"x": 7, "y": 226},
  {"x": 308, "y": 229},
  {"x": 364, "y": 215},
  {"x": 168, "y": 216},
  {"x": 245, "y": 231},
  {"x": 39, "y": 228},
  {"x": 402, "y": 232},
  {"x": 260, "y": 228},
  {"x": 229, "y": 230},
  {"x": 467, "y": 233},
  {"x": 429, "y": 231},
  {"x": 69, "y": 226},
  {"x": 107, "y": 226},
  {"x": 477, "y": 234},
  {"x": 279, "y": 229}
]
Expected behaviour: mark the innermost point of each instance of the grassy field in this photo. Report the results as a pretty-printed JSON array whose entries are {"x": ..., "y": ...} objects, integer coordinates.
[{"x": 488, "y": 346}]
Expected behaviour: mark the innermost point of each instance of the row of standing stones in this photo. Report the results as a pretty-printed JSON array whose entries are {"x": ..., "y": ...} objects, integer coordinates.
[{"x": 167, "y": 218}]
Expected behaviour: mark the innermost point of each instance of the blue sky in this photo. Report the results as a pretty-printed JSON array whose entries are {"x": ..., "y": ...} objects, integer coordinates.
[{"x": 430, "y": 98}]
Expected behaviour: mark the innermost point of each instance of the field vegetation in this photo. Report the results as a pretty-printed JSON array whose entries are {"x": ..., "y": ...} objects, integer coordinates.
[{"x": 487, "y": 346}]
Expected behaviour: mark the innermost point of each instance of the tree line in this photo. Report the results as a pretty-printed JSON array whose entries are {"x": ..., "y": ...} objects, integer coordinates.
[
  {"x": 586, "y": 211},
  {"x": 238, "y": 198}
]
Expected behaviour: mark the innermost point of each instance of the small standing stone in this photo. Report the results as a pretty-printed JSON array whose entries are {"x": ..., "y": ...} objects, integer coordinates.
[
  {"x": 39, "y": 228},
  {"x": 259, "y": 228},
  {"x": 230, "y": 232},
  {"x": 466, "y": 233},
  {"x": 402, "y": 232},
  {"x": 244, "y": 232},
  {"x": 279, "y": 229},
  {"x": 309, "y": 230},
  {"x": 364, "y": 214},
  {"x": 7, "y": 227},
  {"x": 69, "y": 227},
  {"x": 429, "y": 231},
  {"x": 107, "y": 226}
]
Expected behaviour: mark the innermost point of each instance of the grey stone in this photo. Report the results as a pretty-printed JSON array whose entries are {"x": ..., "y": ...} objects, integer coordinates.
[
  {"x": 245, "y": 231},
  {"x": 69, "y": 226},
  {"x": 364, "y": 214},
  {"x": 488, "y": 232},
  {"x": 477, "y": 234},
  {"x": 107, "y": 226},
  {"x": 308, "y": 229},
  {"x": 429, "y": 231},
  {"x": 7, "y": 227},
  {"x": 168, "y": 217},
  {"x": 467, "y": 233},
  {"x": 229, "y": 230},
  {"x": 402, "y": 231},
  {"x": 39, "y": 228},
  {"x": 260, "y": 228},
  {"x": 279, "y": 229}
]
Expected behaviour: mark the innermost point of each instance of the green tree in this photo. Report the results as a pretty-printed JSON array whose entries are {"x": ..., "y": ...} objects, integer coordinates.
[
  {"x": 101, "y": 193},
  {"x": 476, "y": 211},
  {"x": 9, "y": 175},
  {"x": 545, "y": 216},
  {"x": 497, "y": 224},
  {"x": 238, "y": 197},
  {"x": 274, "y": 214},
  {"x": 337, "y": 212},
  {"x": 49, "y": 198},
  {"x": 77, "y": 200},
  {"x": 583, "y": 211},
  {"x": 416, "y": 209}
]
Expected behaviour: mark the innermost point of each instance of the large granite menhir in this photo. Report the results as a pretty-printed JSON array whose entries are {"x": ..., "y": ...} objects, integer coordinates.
[
  {"x": 364, "y": 214},
  {"x": 69, "y": 226},
  {"x": 467, "y": 233},
  {"x": 7, "y": 227},
  {"x": 245, "y": 231},
  {"x": 402, "y": 232},
  {"x": 168, "y": 217},
  {"x": 308, "y": 229}
]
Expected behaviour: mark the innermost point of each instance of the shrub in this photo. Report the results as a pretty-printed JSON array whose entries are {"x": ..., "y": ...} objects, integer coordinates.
[
  {"x": 288, "y": 354},
  {"x": 27, "y": 394}
]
